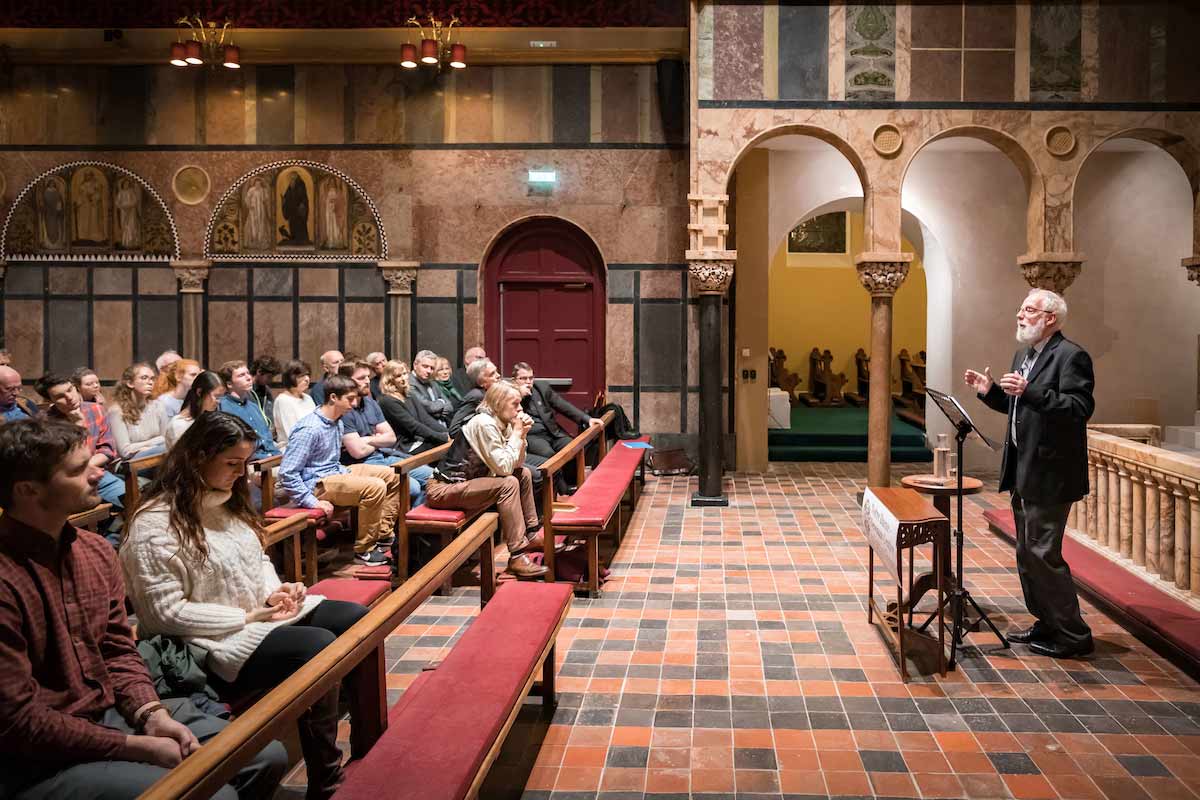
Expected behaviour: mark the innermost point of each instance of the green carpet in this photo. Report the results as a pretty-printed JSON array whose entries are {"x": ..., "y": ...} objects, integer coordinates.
[{"x": 840, "y": 434}]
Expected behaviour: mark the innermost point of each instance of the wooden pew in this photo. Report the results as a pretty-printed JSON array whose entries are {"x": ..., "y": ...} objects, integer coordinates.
[
  {"x": 781, "y": 376},
  {"x": 358, "y": 653},
  {"x": 833, "y": 381},
  {"x": 596, "y": 504},
  {"x": 92, "y": 518},
  {"x": 910, "y": 405},
  {"x": 862, "y": 369},
  {"x": 133, "y": 468},
  {"x": 824, "y": 386},
  {"x": 316, "y": 518},
  {"x": 426, "y": 521}
]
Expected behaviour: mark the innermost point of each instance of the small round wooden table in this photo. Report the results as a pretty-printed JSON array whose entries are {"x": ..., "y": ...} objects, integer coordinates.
[{"x": 942, "y": 495}]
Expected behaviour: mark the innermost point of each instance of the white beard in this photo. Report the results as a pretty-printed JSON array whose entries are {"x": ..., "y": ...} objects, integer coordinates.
[{"x": 1031, "y": 334}]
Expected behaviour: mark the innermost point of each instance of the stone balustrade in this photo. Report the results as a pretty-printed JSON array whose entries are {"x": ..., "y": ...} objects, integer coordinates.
[{"x": 1144, "y": 507}]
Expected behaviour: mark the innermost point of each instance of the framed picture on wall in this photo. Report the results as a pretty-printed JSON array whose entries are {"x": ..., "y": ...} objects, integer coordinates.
[{"x": 825, "y": 233}]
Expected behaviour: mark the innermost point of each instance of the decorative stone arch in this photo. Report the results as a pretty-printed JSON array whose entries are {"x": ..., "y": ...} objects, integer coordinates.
[
  {"x": 362, "y": 212},
  {"x": 1175, "y": 145},
  {"x": 19, "y": 239},
  {"x": 1037, "y": 214}
]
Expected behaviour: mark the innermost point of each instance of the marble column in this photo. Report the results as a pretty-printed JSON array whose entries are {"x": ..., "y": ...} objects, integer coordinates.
[
  {"x": 881, "y": 274},
  {"x": 400, "y": 277},
  {"x": 1053, "y": 271},
  {"x": 711, "y": 272},
  {"x": 192, "y": 274}
]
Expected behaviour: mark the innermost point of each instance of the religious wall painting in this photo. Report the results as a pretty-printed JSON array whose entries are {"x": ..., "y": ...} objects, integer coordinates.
[
  {"x": 52, "y": 214},
  {"x": 870, "y": 52},
  {"x": 825, "y": 233},
  {"x": 89, "y": 209},
  {"x": 127, "y": 205},
  {"x": 1056, "y": 52},
  {"x": 295, "y": 208}
]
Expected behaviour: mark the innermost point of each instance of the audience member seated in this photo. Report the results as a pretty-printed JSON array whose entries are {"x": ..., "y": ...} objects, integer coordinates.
[
  {"x": 293, "y": 403},
  {"x": 195, "y": 568},
  {"x": 67, "y": 406},
  {"x": 541, "y": 402},
  {"x": 5, "y": 358},
  {"x": 79, "y": 715},
  {"x": 484, "y": 468},
  {"x": 172, "y": 384},
  {"x": 313, "y": 476},
  {"x": 166, "y": 359},
  {"x": 239, "y": 401},
  {"x": 376, "y": 361},
  {"x": 331, "y": 360},
  {"x": 88, "y": 383},
  {"x": 460, "y": 378},
  {"x": 443, "y": 374},
  {"x": 483, "y": 374},
  {"x": 416, "y": 431},
  {"x": 13, "y": 406},
  {"x": 204, "y": 396},
  {"x": 137, "y": 422},
  {"x": 264, "y": 369},
  {"x": 424, "y": 387}
]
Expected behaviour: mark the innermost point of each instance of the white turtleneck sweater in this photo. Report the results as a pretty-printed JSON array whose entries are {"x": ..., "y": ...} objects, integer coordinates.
[{"x": 206, "y": 605}]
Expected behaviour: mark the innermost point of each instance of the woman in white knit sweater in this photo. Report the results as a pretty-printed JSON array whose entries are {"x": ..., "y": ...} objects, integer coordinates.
[{"x": 195, "y": 568}]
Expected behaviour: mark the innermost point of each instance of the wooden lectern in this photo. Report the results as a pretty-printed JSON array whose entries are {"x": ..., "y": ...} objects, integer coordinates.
[{"x": 896, "y": 521}]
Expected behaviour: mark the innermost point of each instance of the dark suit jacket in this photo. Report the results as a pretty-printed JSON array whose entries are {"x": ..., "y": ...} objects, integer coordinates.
[
  {"x": 410, "y": 422},
  {"x": 1048, "y": 465},
  {"x": 461, "y": 382},
  {"x": 464, "y": 411},
  {"x": 541, "y": 404}
]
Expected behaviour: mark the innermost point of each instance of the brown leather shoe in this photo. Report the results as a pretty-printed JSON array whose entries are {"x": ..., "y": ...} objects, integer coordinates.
[{"x": 522, "y": 567}]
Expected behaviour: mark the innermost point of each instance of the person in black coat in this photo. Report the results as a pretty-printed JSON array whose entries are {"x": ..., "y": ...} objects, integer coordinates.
[
  {"x": 459, "y": 378},
  {"x": 1048, "y": 399},
  {"x": 415, "y": 428},
  {"x": 482, "y": 374},
  {"x": 541, "y": 402}
]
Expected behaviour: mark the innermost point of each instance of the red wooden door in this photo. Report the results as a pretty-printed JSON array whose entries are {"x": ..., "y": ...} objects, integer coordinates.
[{"x": 545, "y": 303}]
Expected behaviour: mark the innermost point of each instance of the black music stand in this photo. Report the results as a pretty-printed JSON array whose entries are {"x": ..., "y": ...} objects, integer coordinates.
[{"x": 960, "y": 596}]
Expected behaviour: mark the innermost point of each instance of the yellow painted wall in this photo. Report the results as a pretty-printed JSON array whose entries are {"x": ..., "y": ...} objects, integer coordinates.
[{"x": 817, "y": 301}]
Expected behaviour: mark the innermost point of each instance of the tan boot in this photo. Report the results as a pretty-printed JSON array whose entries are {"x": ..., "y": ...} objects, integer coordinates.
[{"x": 522, "y": 567}]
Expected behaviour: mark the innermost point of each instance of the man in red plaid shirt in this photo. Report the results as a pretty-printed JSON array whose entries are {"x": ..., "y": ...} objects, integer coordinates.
[{"x": 67, "y": 405}]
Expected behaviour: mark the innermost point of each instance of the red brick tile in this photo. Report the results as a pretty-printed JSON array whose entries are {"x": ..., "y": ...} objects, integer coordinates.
[
  {"x": 941, "y": 786},
  {"x": 631, "y": 736},
  {"x": 578, "y": 778},
  {"x": 1031, "y": 787},
  {"x": 623, "y": 779},
  {"x": 763, "y": 781},
  {"x": 667, "y": 780},
  {"x": 893, "y": 784},
  {"x": 584, "y": 756},
  {"x": 846, "y": 783},
  {"x": 1076, "y": 787},
  {"x": 712, "y": 780},
  {"x": 840, "y": 760}
]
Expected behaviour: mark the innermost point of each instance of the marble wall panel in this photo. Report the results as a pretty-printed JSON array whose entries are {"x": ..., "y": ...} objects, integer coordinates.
[
  {"x": 273, "y": 330},
  {"x": 318, "y": 331},
  {"x": 473, "y": 101},
  {"x": 660, "y": 283},
  {"x": 22, "y": 279},
  {"x": 272, "y": 281},
  {"x": 227, "y": 331},
  {"x": 737, "y": 52},
  {"x": 693, "y": 346},
  {"x": 171, "y": 108},
  {"x": 871, "y": 52},
  {"x": 1055, "y": 52},
  {"x": 658, "y": 412},
  {"x": 437, "y": 327},
  {"x": 988, "y": 75},
  {"x": 364, "y": 328},
  {"x": 157, "y": 280},
  {"x": 112, "y": 331},
  {"x": 619, "y": 103},
  {"x": 437, "y": 283},
  {"x": 472, "y": 332},
  {"x": 23, "y": 114},
  {"x": 989, "y": 25},
  {"x": 660, "y": 344},
  {"x": 618, "y": 345},
  {"x": 320, "y": 104},
  {"x": 228, "y": 97},
  {"x": 425, "y": 111},
  {"x": 572, "y": 102},
  {"x": 68, "y": 339},
  {"x": 470, "y": 284},
  {"x": 23, "y": 335},
  {"x": 276, "y": 104},
  {"x": 374, "y": 103},
  {"x": 937, "y": 75},
  {"x": 620, "y": 284},
  {"x": 803, "y": 51},
  {"x": 937, "y": 24},
  {"x": 1124, "y": 53},
  {"x": 112, "y": 280},
  {"x": 363, "y": 282},
  {"x": 228, "y": 280},
  {"x": 522, "y": 110},
  {"x": 316, "y": 282},
  {"x": 72, "y": 110},
  {"x": 68, "y": 280},
  {"x": 124, "y": 91},
  {"x": 1182, "y": 66},
  {"x": 158, "y": 327}
]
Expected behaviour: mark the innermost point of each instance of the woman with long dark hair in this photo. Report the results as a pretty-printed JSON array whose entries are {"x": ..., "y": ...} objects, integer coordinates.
[
  {"x": 195, "y": 567},
  {"x": 203, "y": 396}
]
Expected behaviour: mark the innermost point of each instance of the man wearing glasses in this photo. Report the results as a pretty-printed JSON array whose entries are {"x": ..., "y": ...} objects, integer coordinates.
[{"x": 1048, "y": 398}]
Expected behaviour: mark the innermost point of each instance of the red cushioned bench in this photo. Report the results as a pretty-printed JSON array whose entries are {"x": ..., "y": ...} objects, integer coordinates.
[
  {"x": 447, "y": 729},
  {"x": 1170, "y": 625}
]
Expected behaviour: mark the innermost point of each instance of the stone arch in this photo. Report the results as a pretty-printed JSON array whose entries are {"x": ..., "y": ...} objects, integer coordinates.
[
  {"x": 1037, "y": 214},
  {"x": 366, "y": 238},
  {"x": 1174, "y": 145},
  {"x": 20, "y": 240}
]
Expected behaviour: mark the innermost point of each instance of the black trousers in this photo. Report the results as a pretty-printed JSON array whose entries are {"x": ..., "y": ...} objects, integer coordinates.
[
  {"x": 286, "y": 649},
  {"x": 542, "y": 447},
  {"x": 1045, "y": 576}
]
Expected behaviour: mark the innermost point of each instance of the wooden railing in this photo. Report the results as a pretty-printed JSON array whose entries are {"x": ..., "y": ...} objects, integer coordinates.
[
  {"x": 1144, "y": 506},
  {"x": 358, "y": 650}
]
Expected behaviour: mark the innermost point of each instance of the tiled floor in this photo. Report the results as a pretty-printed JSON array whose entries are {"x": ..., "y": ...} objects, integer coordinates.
[{"x": 730, "y": 657}]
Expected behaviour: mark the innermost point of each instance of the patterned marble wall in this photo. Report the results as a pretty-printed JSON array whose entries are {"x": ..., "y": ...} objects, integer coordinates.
[{"x": 1065, "y": 51}]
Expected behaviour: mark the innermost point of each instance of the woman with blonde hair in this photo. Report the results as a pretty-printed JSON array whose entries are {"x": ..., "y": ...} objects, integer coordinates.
[
  {"x": 195, "y": 567},
  {"x": 137, "y": 422},
  {"x": 416, "y": 429}
]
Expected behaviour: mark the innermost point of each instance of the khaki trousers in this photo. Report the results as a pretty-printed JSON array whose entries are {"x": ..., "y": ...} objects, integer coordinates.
[
  {"x": 512, "y": 496},
  {"x": 375, "y": 490}
]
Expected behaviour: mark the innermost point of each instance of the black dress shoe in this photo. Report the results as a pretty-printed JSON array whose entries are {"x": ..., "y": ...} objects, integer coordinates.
[
  {"x": 1056, "y": 650},
  {"x": 1035, "y": 633}
]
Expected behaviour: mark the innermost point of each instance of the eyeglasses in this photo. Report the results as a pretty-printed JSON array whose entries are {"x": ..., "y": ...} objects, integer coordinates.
[{"x": 1030, "y": 311}]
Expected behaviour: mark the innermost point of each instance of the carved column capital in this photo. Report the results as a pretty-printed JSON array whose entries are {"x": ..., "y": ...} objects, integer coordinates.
[
  {"x": 191, "y": 274},
  {"x": 1053, "y": 271},
  {"x": 400, "y": 275},
  {"x": 881, "y": 274},
  {"x": 711, "y": 270},
  {"x": 1192, "y": 265}
]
